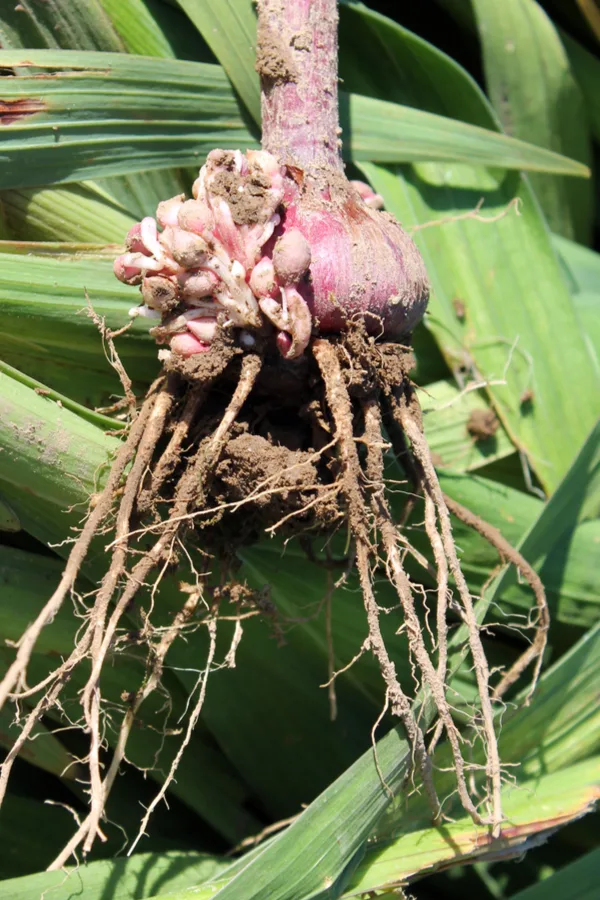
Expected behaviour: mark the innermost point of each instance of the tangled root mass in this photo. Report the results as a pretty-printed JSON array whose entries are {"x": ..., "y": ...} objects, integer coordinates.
[{"x": 299, "y": 448}]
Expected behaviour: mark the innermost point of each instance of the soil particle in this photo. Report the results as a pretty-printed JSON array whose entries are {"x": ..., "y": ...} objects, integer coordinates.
[
  {"x": 277, "y": 461},
  {"x": 460, "y": 309},
  {"x": 283, "y": 481},
  {"x": 160, "y": 293},
  {"x": 302, "y": 40},
  {"x": 369, "y": 365},
  {"x": 206, "y": 367},
  {"x": 482, "y": 424},
  {"x": 527, "y": 397},
  {"x": 274, "y": 62},
  {"x": 245, "y": 194}
]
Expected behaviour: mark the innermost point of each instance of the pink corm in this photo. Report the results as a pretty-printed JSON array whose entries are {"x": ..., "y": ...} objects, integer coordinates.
[{"x": 248, "y": 253}]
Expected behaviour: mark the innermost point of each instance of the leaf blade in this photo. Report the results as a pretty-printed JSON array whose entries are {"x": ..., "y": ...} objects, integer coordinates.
[
  {"x": 101, "y": 114},
  {"x": 229, "y": 28},
  {"x": 533, "y": 91}
]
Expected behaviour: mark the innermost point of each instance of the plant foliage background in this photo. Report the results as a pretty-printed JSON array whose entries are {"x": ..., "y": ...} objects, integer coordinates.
[{"x": 479, "y": 123}]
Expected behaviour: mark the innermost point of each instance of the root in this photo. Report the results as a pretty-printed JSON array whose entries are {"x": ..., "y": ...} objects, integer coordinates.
[
  {"x": 433, "y": 680},
  {"x": 406, "y": 419},
  {"x": 340, "y": 408},
  {"x": 98, "y": 636},
  {"x": 169, "y": 460},
  {"x": 15, "y": 675},
  {"x": 102, "y": 636},
  {"x": 190, "y": 489},
  {"x": 535, "y": 651},
  {"x": 147, "y": 445},
  {"x": 153, "y": 676},
  {"x": 192, "y": 465},
  {"x": 192, "y": 722}
]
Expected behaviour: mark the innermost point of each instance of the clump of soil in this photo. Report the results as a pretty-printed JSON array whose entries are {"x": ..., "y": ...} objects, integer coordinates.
[{"x": 483, "y": 424}]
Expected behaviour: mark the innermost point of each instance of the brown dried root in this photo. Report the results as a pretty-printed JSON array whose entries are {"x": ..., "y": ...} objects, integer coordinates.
[
  {"x": 340, "y": 408},
  {"x": 191, "y": 487},
  {"x": 103, "y": 618},
  {"x": 405, "y": 417},
  {"x": 508, "y": 553},
  {"x": 101, "y": 636},
  {"x": 432, "y": 680},
  {"x": 371, "y": 525},
  {"x": 153, "y": 675},
  {"x": 15, "y": 676},
  {"x": 203, "y": 464}
]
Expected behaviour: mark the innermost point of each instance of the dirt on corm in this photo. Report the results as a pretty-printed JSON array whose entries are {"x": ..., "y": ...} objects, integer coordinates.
[{"x": 279, "y": 465}]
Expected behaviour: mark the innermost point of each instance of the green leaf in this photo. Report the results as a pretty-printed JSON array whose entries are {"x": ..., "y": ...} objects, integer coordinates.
[
  {"x": 288, "y": 716},
  {"x": 551, "y": 737},
  {"x": 47, "y": 449},
  {"x": 586, "y": 68},
  {"x": 92, "y": 212},
  {"x": 145, "y": 26},
  {"x": 582, "y": 268},
  {"x": 140, "y": 876},
  {"x": 244, "y": 706},
  {"x": 551, "y": 740},
  {"x": 448, "y": 413},
  {"x": 387, "y": 132},
  {"x": 88, "y": 212},
  {"x": 71, "y": 213},
  {"x": 533, "y": 91},
  {"x": 587, "y": 305},
  {"x": 218, "y": 797},
  {"x": 8, "y": 520},
  {"x": 44, "y": 750},
  {"x": 572, "y": 586},
  {"x": 30, "y": 446},
  {"x": 150, "y": 29},
  {"x": 46, "y": 331},
  {"x": 61, "y": 400},
  {"x": 101, "y": 114},
  {"x": 22, "y": 843},
  {"x": 381, "y": 59},
  {"x": 344, "y": 815},
  {"x": 504, "y": 273},
  {"x": 582, "y": 264},
  {"x": 229, "y": 28},
  {"x": 576, "y": 500},
  {"x": 58, "y": 24},
  {"x": 577, "y": 881},
  {"x": 532, "y": 809},
  {"x": 61, "y": 250}
]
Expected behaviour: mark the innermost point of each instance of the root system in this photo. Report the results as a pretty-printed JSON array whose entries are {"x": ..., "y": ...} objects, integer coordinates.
[{"x": 229, "y": 445}]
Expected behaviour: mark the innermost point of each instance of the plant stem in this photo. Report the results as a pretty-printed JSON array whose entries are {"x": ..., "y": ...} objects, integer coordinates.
[{"x": 296, "y": 58}]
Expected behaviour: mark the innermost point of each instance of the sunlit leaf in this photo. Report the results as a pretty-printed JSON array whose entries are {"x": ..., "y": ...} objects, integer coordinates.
[
  {"x": 577, "y": 881},
  {"x": 126, "y": 879},
  {"x": 532, "y": 810},
  {"x": 536, "y": 98},
  {"x": 501, "y": 275},
  {"x": 101, "y": 114},
  {"x": 58, "y": 24},
  {"x": 229, "y": 28}
]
